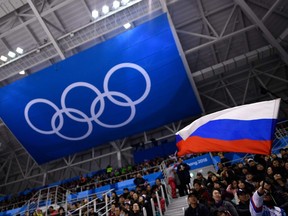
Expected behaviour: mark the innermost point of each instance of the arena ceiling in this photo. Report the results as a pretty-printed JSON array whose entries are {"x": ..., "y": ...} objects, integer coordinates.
[{"x": 236, "y": 52}]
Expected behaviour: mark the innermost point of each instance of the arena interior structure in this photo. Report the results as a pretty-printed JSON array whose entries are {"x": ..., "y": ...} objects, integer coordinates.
[{"x": 234, "y": 52}]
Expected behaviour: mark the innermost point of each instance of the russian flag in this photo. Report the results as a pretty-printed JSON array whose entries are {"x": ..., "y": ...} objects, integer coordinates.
[{"x": 247, "y": 129}]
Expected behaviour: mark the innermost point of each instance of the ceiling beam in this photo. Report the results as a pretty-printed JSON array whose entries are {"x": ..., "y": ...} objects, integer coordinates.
[
  {"x": 45, "y": 28},
  {"x": 46, "y": 12},
  {"x": 267, "y": 34},
  {"x": 270, "y": 11},
  {"x": 248, "y": 28}
]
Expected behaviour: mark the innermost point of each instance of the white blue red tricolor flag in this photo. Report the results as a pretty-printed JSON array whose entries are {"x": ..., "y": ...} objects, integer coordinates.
[{"x": 248, "y": 129}]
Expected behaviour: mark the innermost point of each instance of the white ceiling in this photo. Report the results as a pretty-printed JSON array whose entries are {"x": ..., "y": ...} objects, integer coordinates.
[{"x": 233, "y": 49}]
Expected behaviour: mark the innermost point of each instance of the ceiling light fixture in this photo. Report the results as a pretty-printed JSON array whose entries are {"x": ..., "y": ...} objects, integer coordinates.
[
  {"x": 124, "y": 2},
  {"x": 3, "y": 58},
  {"x": 105, "y": 9},
  {"x": 95, "y": 14},
  {"x": 19, "y": 50},
  {"x": 127, "y": 25},
  {"x": 22, "y": 72},
  {"x": 11, "y": 54},
  {"x": 116, "y": 5}
]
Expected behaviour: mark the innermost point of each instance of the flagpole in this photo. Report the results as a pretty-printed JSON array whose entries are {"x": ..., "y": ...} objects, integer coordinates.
[{"x": 213, "y": 160}]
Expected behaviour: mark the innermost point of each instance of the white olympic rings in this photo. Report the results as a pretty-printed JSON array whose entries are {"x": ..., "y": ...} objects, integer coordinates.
[{"x": 79, "y": 116}]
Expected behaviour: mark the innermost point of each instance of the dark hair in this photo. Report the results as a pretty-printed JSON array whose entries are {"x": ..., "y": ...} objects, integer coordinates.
[
  {"x": 268, "y": 181},
  {"x": 216, "y": 190}
]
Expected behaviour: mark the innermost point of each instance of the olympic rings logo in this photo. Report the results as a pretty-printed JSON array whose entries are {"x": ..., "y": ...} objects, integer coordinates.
[{"x": 80, "y": 116}]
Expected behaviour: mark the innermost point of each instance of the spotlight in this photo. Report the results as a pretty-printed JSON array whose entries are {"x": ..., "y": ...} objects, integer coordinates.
[
  {"x": 116, "y": 5},
  {"x": 105, "y": 9},
  {"x": 19, "y": 50},
  {"x": 22, "y": 72},
  {"x": 11, "y": 54},
  {"x": 95, "y": 14},
  {"x": 124, "y": 2},
  {"x": 3, "y": 58},
  {"x": 127, "y": 25}
]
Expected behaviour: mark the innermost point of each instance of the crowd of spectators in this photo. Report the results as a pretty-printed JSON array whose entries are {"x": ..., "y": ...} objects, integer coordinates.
[
  {"x": 256, "y": 186},
  {"x": 108, "y": 176},
  {"x": 129, "y": 203}
]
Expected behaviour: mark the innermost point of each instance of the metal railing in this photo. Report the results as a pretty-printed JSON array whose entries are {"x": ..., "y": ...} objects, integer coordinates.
[
  {"x": 111, "y": 180},
  {"x": 86, "y": 208}
]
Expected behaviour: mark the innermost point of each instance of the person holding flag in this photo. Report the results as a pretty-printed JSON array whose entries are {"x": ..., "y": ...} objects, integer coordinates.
[{"x": 263, "y": 203}]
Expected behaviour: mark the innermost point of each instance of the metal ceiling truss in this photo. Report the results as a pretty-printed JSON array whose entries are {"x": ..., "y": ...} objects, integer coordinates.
[{"x": 58, "y": 47}]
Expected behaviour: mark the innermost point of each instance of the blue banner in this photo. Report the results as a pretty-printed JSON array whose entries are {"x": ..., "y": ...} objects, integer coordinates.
[
  {"x": 131, "y": 83},
  {"x": 199, "y": 162}
]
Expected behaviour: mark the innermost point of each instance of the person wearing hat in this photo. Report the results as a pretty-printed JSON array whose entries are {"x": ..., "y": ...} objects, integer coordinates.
[
  {"x": 263, "y": 203},
  {"x": 243, "y": 206},
  {"x": 251, "y": 165},
  {"x": 195, "y": 208}
]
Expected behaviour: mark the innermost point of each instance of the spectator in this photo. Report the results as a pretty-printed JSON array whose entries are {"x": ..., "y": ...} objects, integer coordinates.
[
  {"x": 220, "y": 168},
  {"x": 244, "y": 186},
  {"x": 243, "y": 206},
  {"x": 285, "y": 174},
  {"x": 39, "y": 212},
  {"x": 225, "y": 161},
  {"x": 184, "y": 177},
  {"x": 280, "y": 184},
  {"x": 144, "y": 202},
  {"x": 195, "y": 208},
  {"x": 125, "y": 193},
  {"x": 221, "y": 205},
  {"x": 251, "y": 165},
  {"x": 171, "y": 179},
  {"x": 269, "y": 173},
  {"x": 112, "y": 210},
  {"x": 260, "y": 173},
  {"x": 114, "y": 197},
  {"x": 109, "y": 170},
  {"x": 136, "y": 210},
  {"x": 250, "y": 180},
  {"x": 283, "y": 155},
  {"x": 276, "y": 166},
  {"x": 140, "y": 181},
  {"x": 232, "y": 189},
  {"x": 159, "y": 184},
  {"x": 51, "y": 211},
  {"x": 202, "y": 193},
  {"x": 200, "y": 178},
  {"x": 262, "y": 203},
  {"x": 61, "y": 211},
  {"x": 117, "y": 211},
  {"x": 279, "y": 198}
]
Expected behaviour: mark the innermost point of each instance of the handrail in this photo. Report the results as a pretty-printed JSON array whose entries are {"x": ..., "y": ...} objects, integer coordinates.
[
  {"x": 144, "y": 211},
  {"x": 120, "y": 176},
  {"x": 94, "y": 205},
  {"x": 153, "y": 206},
  {"x": 101, "y": 193},
  {"x": 159, "y": 204}
]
